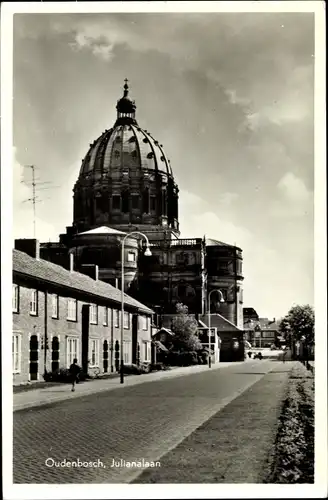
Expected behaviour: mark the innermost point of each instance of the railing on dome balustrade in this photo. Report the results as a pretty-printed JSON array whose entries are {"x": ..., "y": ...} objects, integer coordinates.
[{"x": 175, "y": 243}]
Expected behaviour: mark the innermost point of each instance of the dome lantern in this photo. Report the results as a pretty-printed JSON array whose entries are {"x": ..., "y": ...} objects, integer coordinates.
[{"x": 126, "y": 108}]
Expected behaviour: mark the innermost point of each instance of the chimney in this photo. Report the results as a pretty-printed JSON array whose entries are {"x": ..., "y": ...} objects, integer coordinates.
[
  {"x": 71, "y": 262},
  {"x": 29, "y": 246},
  {"x": 90, "y": 270}
]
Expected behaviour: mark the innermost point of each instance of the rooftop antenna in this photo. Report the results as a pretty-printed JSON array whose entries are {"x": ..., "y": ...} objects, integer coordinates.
[{"x": 34, "y": 199}]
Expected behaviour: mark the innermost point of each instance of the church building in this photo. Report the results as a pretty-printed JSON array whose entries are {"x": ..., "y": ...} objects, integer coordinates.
[{"x": 126, "y": 184}]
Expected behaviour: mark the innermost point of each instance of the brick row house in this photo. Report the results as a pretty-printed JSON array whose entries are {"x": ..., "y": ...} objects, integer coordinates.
[{"x": 60, "y": 314}]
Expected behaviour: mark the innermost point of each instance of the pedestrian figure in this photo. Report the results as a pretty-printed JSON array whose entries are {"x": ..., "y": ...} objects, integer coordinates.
[
  {"x": 284, "y": 354},
  {"x": 74, "y": 370}
]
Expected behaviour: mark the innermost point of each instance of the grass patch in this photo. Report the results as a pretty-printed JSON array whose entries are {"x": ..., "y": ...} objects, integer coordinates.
[{"x": 293, "y": 460}]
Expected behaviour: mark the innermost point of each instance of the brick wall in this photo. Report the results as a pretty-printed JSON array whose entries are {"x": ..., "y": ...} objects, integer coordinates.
[{"x": 26, "y": 324}]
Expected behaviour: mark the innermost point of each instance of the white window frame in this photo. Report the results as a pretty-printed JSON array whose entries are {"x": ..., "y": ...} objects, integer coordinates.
[
  {"x": 15, "y": 298},
  {"x": 54, "y": 306},
  {"x": 126, "y": 320},
  {"x": 94, "y": 343},
  {"x": 16, "y": 368},
  {"x": 131, "y": 257},
  {"x": 72, "y": 354},
  {"x": 143, "y": 322},
  {"x": 71, "y": 311},
  {"x": 117, "y": 318},
  {"x": 127, "y": 352},
  {"x": 34, "y": 296},
  {"x": 93, "y": 314},
  {"x": 147, "y": 351},
  {"x": 105, "y": 316}
]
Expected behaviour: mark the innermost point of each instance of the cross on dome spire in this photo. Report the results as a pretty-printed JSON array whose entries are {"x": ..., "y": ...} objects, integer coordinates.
[{"x": 126, "y": 87}]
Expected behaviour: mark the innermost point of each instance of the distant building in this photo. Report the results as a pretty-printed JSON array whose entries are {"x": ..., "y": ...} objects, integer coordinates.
[
  {"x": 261, "y": 332},
  {"x": 60, "y": 314},
  {"x": 126, "y": 184}
]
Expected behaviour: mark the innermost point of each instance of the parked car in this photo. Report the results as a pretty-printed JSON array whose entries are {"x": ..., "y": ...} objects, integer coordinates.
[{"x": 258, "y": 356}]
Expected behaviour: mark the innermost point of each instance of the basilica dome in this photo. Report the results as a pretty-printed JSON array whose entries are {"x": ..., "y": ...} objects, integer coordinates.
[{"x": 126, "y": 179}]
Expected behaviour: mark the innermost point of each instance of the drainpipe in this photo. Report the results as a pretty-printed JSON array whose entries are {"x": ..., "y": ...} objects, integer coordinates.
[
  {"x": 45, "y": 330},
  {"x": 111, "y": 340}
]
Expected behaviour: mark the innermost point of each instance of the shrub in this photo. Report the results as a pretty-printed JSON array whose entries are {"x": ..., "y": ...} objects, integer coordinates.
[
  {"x": 144, "y": 367},
  {"x": 132, "y": 369},
  {"x": 62, "y": 375},
  {"x": 183, "y": 358},
  {"x": 157, "y": 367}
]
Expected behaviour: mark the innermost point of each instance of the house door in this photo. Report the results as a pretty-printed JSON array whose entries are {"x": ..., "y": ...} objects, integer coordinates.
[
  {"x": 55, "y": 354},
  {"x": 134, "y": 338},
  {"x": 34, "y": 357},
  {"x": 105, "y": 356}
]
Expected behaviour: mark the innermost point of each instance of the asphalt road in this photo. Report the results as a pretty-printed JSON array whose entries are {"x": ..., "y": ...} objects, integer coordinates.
[{"x": 130, "y": 423}]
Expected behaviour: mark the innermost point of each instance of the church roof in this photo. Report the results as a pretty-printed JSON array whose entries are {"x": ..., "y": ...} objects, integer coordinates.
[
  {"x": 211, "y": 242},
  {"x": 103, "y": 230}
]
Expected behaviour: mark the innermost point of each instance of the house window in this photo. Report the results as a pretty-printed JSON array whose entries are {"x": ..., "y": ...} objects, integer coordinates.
[
  {"x": 117, "y": 318},
  {"x": 126, "y": 323},
  {"x": 143, "y": 323},
  {"x": 72, "y": 309},
  {"x": 72, "y": 347},
  {"x": 54, "y": 306},
  {"x": 146, "y": 347},
  {"x": 116, "y": 202},
  {"x": 94, "y": 353},
  {"x": 127, "y": 352},
  {"x": 34, "y": 303},
  {"x": 105, "y": 316},
  {"x": 16, "y": 351},
  {"x": 93, "y": 314},
  {"x": 131, "y": 257},
  {"x": 15, "y": 298}
]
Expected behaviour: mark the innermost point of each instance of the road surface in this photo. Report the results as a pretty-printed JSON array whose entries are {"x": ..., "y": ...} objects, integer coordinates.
[{"x": 137, "y": 423}]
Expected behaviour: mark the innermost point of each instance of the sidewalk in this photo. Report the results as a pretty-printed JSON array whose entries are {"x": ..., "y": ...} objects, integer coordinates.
[{"x": 62, "y": 392}]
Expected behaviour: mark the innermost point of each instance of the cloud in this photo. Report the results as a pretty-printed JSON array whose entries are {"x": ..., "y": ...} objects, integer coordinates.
[
  {"x": 228, "y": 198},
  {"x": 295, "y": 199},
  {"x": 293, "y": 188},
  {"x": 98, "y": 43}
]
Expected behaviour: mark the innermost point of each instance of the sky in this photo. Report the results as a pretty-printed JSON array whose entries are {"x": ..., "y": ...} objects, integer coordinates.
[{"x": 230, "y": 97}]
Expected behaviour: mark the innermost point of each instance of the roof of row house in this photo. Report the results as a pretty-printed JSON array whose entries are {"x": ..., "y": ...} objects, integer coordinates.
[
  {"x": 47, "y": 271},
  {"x": 219, "y": 322}
]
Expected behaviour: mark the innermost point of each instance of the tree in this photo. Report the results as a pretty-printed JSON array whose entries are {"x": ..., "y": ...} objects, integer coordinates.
[
  {"x": 299, "y": 324},
  {"x": 184, "y": 327}
]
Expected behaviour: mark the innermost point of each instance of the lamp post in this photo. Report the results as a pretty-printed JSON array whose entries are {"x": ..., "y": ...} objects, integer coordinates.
[
  {"x": 147, "y": 253},
  {"x": 209, "y": 321}
]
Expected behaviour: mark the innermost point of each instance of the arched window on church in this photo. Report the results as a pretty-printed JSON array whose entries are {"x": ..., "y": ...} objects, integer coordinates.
[
  {"x": 116, "y": 202},
  {"x": 153, "y": 204},
  {"x": 92, "y": 210},
  {"x": 135, "y": 201},
  {"x": 125, "y": 201},
  {"x": 145, "y": 201},
  {"x": 164, "y": 202}
]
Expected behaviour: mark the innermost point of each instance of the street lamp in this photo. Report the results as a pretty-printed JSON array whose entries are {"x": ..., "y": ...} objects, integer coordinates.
[
  {"x": 209, "y": 321},
  {"x": 147, "y": 254}
]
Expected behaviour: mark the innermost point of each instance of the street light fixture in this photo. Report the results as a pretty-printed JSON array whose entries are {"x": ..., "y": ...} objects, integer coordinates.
[
  {"x": 209, "y": 322},
  {"x": 147, "y": 253}
]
